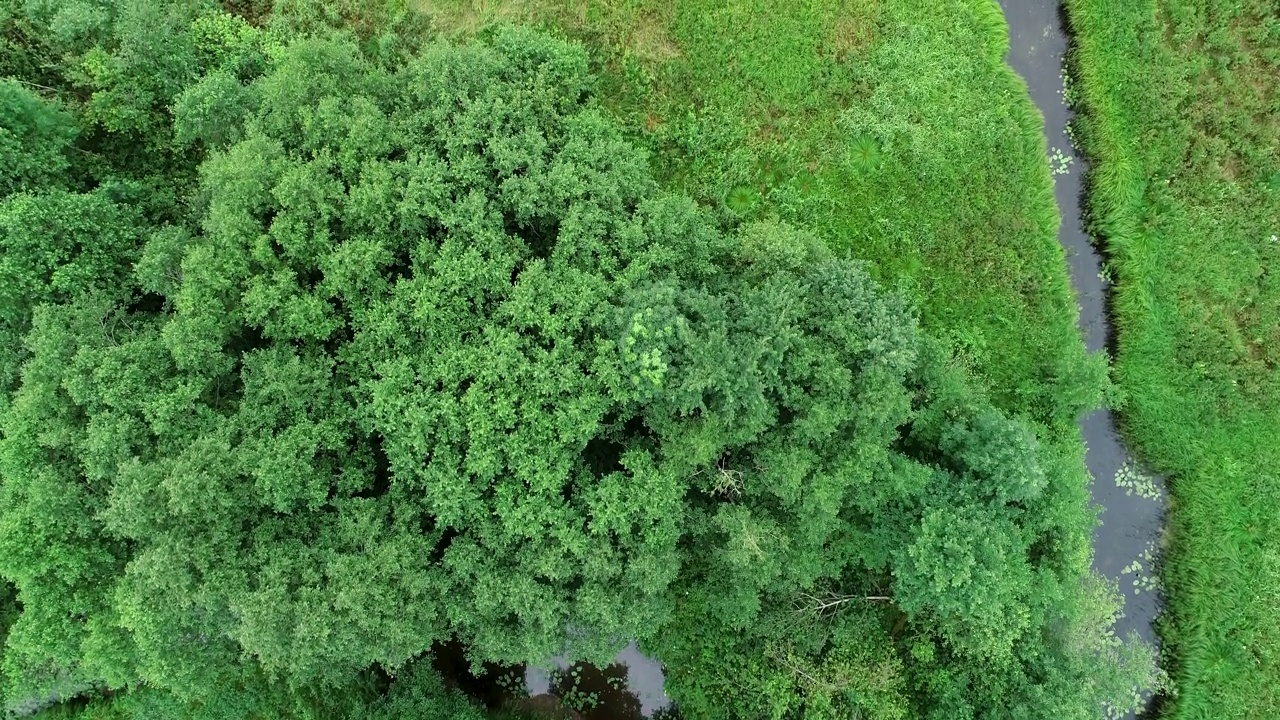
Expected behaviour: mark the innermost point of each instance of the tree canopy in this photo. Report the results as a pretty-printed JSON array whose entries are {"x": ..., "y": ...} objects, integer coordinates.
[{"x": 420, "y": 351}]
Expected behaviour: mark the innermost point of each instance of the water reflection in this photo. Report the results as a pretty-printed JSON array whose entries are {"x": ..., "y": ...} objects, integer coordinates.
[
  {"x": 496, "y": 686},
  {"x": 631, "y": 688}
]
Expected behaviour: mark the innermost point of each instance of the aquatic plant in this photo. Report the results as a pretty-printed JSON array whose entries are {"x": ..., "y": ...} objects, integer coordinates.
[
  {"x": 1135, "y": 482},
  {"x": 1059, "y": 161},
  {"x": 1068, "y": 92},
  {"x": 572, "y": 694}
]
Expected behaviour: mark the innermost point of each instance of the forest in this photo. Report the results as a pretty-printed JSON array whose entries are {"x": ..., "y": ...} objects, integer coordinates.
[{"x": 355, "y": 354}]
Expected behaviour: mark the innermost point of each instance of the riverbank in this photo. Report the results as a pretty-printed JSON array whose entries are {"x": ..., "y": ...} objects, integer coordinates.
[
  {"x": 894, "y": 131},
  {"x": 1182, "y": 120}
]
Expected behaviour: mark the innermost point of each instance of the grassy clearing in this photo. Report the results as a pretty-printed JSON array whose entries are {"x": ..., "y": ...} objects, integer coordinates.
[
  {"x": 1183, "y": 102},
  {"x": 893, "y": 129}
]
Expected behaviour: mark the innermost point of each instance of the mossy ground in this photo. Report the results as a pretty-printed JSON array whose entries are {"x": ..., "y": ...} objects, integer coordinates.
[{"x": 1183, "y": 123}]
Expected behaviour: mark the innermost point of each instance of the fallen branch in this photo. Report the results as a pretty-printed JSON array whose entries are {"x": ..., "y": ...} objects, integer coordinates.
[{"x": 37, "y": 85}]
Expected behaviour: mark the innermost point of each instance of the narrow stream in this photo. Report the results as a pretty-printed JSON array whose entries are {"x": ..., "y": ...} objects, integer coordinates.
[{"x": 1132, "y": 501}]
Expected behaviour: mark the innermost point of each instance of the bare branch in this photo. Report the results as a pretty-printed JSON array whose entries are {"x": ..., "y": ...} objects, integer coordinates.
[
  {"x": 825, "y": 604},
  {"x": 37, "y": 85}
]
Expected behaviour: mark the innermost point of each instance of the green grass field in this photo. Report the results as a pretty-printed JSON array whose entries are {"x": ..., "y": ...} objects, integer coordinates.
[
  {"x": 893, "y": 129},
  {"x": 1183, "y": 103}
]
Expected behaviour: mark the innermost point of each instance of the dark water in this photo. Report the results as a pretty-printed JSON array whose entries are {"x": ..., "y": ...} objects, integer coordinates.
[
  {"x": 1126, "y": 542},
  {"x": 632, "y": 687}
]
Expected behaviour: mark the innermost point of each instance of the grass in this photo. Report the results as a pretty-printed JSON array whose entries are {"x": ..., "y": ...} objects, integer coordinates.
[
  {"x": 1183, "y": 122},
  {"x": 893, "y": 129}
]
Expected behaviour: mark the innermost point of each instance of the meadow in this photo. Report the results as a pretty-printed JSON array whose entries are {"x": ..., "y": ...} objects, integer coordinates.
[{"x": 1182, "y": 121}]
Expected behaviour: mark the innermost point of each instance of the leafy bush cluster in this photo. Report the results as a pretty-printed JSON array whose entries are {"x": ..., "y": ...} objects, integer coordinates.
[{"x": 324, "y": 346}]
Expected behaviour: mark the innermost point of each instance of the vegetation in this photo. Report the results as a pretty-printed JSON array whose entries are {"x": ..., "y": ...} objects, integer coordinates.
[
  {"x": 418, "y": 693},
  {"x": 335, "y": 332},
  {"x": 1183, "y": 121},
  {"x": 893, "y": 130}
]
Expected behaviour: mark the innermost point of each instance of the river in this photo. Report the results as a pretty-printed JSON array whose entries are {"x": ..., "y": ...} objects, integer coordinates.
[{"x": 1127, "y": 541}]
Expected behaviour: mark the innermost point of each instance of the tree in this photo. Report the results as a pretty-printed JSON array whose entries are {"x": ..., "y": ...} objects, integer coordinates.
[
  {"x": 55, "y": 247},
  {"x": 430, "y": 356},
  {"x": 420, "y": 693},
  {"x": 391, "y": 267},
  {"x": 949, "y": 586},
  {"x": 35, "y": 137}
]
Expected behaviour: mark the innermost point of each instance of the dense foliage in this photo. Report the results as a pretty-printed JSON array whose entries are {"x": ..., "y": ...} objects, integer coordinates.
[
  {"x": 323, "y": 347},
  {"x": 1182, "y": 112}
]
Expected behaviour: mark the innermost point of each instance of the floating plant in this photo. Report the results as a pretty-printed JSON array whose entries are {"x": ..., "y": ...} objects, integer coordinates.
[
  {"x": 572, "y": 694},
  {"x": 1136, "y": 482},
  {"x": 1144, "y": 579},
  {"x": 1059, "y": 161},
  {"x": 1067, "y": 91},
  {"x": 1070, "y": 129}
]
